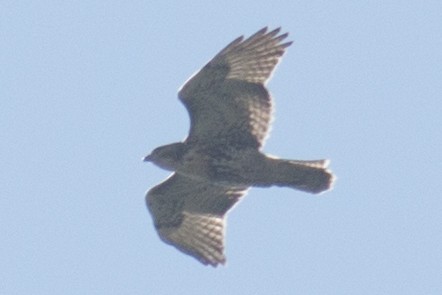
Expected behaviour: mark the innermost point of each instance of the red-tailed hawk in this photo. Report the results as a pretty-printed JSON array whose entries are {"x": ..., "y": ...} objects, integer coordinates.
[{"x": 230, "y": 111}]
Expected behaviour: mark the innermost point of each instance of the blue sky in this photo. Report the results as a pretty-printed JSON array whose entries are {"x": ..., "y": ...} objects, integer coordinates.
[{"x": 87, "y": 88}]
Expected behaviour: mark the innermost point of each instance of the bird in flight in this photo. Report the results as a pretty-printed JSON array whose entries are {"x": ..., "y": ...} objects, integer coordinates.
[{"x": 230, "y": 111}]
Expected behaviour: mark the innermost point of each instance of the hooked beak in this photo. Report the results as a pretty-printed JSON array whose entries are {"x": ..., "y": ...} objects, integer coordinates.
[{"x": 147, "y": 158}]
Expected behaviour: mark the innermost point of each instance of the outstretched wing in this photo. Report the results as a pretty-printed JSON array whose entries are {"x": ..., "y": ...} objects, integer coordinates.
[
  {"x": 189, "y": 215},
  {"x": 227, "y": 99}
]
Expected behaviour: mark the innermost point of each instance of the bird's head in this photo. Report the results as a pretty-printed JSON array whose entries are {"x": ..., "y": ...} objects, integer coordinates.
[{"x": 168, "y": 156}]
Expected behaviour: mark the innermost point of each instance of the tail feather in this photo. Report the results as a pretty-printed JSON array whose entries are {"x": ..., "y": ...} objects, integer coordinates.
[{"x": 308, "y": 176}]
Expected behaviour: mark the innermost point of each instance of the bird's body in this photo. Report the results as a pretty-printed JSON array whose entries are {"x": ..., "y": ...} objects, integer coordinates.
[
  {"x": 230, "y": 111},
  {"x": 227, "y": 165}
]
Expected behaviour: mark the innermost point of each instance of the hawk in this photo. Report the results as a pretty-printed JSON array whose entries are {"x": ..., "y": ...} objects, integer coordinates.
[{"x": 230, "y": 112}]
